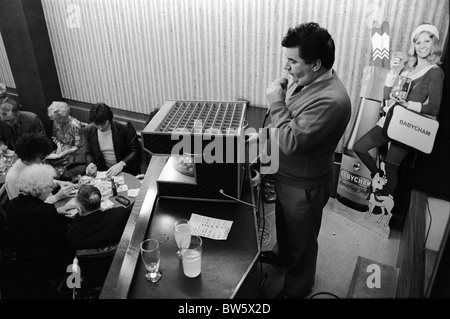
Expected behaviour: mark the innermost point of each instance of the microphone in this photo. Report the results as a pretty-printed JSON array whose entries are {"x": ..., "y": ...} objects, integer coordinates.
[{"x": 283, "y": 83}]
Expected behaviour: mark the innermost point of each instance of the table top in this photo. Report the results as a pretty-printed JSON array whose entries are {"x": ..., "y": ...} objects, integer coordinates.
[
  {"x": 130, "y": 180},
  {"x": 225, "y": 263}
]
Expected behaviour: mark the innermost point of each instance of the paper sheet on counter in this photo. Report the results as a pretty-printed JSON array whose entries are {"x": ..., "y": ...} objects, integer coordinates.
[
  {"x": 213, "y": 228},
  {"x": 106, "y": 204},
  {"x": 133, "y": 192}
]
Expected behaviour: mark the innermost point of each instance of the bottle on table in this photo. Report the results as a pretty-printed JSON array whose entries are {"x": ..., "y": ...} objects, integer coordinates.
[{"x": 113, "y": 187}]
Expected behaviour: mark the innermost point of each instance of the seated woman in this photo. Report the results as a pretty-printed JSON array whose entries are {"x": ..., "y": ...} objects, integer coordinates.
[
  {"x": 69, "y": 157},
  {"x": 39, "y": 233},
  {"x": 32, "y": 149}
]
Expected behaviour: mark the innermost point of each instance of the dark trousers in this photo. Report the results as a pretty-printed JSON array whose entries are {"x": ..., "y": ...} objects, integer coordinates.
[{"x": 298, "y": 217}]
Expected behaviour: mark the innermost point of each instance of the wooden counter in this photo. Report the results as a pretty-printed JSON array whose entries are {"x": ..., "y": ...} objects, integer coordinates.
[{"x": 228, "y": 266}]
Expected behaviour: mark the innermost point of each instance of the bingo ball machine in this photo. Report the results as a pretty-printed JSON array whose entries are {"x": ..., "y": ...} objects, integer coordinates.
[{"x": 205, "y": 141}]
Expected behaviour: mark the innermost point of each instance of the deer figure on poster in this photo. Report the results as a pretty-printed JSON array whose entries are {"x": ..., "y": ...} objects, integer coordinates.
[{"x": 386, "y": 203}]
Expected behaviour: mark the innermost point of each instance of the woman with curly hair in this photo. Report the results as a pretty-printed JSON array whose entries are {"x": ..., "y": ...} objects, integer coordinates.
[
  {"x": 39, "y": 233},
  {"x": 69, "y": 157}
]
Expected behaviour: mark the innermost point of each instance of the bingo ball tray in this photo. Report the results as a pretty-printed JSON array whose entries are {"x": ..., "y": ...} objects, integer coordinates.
[
  {"x": 202, "y": 122},
  {"x": 178, "y": 118}
]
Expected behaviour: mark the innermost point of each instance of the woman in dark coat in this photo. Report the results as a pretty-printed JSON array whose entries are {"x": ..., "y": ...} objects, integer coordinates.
[{"x": 39, "y": 232}]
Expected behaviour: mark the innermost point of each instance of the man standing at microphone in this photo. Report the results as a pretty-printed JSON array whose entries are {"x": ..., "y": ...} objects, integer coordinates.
[{"x": 307, "y": 121}]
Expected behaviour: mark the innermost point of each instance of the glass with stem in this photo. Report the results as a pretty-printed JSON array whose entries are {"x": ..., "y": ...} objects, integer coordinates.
[
  {"x": 151, "y": 257},
  {"x": 182, "y": 229}
]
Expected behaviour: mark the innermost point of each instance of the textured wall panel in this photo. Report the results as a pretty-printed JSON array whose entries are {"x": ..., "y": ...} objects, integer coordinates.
[
  {"x": 135, "y": 54},
  {"x": 6, "y": 76}
]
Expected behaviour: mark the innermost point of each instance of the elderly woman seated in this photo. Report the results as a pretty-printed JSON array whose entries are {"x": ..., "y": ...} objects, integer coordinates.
[
  {"x": 39, "y": 233},
  {"x": 69, "y": 157}
]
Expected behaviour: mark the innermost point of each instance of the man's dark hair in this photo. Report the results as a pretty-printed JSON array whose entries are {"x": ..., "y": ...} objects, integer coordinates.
[
  {"x": 89, "y": 197},
  {"x": 313, "y": 42},
  {"x": 31, "y": 146},
  {"x": 100, "y": 113}
]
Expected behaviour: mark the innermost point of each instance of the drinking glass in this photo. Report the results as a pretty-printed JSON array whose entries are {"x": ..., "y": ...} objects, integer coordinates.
[
  {"x": 182, "y": 229},
  {"x": 192, "y": 257},
  {"x": 402, "y": 57},
  {"x": 151, "y": 257}
]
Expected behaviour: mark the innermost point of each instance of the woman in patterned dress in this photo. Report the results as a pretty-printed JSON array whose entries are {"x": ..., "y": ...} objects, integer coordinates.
[{"x": 69, "y": 157}]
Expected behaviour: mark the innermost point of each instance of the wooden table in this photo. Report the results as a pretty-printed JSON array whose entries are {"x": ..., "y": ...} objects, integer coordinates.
[
  {"x": 229, "y": 267},
  {"x": 130, "y": 180}
]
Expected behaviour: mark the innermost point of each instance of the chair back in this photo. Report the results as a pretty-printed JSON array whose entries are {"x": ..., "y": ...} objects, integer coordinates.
[
  {"x": 94, "y": 265},
  {"x": 7, "y": 246}
]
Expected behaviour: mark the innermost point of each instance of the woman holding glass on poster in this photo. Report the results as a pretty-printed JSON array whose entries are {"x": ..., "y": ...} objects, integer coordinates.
[{"x": 421, "y": 68}]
